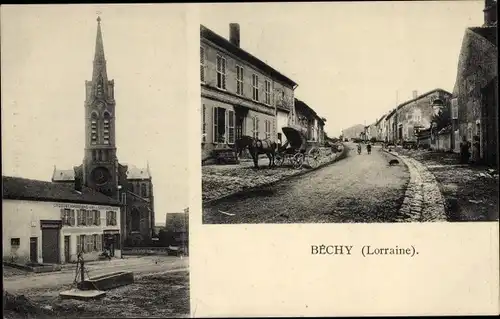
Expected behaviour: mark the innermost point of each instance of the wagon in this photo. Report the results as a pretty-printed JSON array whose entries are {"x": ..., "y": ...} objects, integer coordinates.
[{"x": 296, "y": 151}]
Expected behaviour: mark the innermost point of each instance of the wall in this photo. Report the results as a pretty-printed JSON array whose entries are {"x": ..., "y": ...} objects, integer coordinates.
[
  {"x": 419, "y": 112},
  {"x": 282, "y": 121},
  {"x": 443, "y": 142},
  {"x": 280, "y": 94},
  {"x": 21, "y": 219}
]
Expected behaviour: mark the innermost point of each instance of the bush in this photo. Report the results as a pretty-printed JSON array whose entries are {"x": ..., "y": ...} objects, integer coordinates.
[{"x": 373, "y": 140}]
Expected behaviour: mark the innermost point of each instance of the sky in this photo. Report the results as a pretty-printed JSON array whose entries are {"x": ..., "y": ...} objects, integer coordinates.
[
  {"x": 47, "y": 53},
  {"x": 353, "y": 61}
]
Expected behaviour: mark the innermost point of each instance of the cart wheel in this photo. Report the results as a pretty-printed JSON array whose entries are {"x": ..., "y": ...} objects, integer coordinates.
[
  {"x": 279, "y": 160},
  {"x": 298, "y": 160},
  {"x": 313, "y": 157}
]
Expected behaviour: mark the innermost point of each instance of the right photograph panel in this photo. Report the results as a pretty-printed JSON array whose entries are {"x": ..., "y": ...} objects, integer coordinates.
[{"x": 349, "y": 117}]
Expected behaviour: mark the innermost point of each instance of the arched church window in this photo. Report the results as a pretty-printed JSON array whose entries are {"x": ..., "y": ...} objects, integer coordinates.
[
  {"x": 93, "y": 129},
  {"x": 106, "y": 127},
  {"x": 144, "y": 191},
  {"x": 136, "y": 220}
]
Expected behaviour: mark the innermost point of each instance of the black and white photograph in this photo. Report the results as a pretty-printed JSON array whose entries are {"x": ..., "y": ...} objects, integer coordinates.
[
  {"x": 95, "y": 191},
  {"x": 333, "y": 113}
]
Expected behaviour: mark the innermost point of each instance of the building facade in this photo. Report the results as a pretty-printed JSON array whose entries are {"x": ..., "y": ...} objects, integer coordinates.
[
  {"x": 413, "y": 115},
  {"x": 311, "y": 124},
  {"x": 45, "y": 222},
  {"x": 240, "y": 94},
  {"x": 475, "y": 96},
  {"x": 101, "y": 169}
]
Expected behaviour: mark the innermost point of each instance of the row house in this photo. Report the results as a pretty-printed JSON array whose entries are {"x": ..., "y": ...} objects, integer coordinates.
[
  {"x": 475, "y": 95},
  {"x": 51, "y": 223},
  {"x": 413, "y": 115},
  {"x": 240, "y": 94},
  {"x": 311, "y": 124},
  {"x": 379, "y": 128},
  {"x": 370, "y": 131}
]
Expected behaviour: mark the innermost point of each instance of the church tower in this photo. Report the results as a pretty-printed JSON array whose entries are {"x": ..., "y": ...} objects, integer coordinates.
[{"x": 100, "y": 164}]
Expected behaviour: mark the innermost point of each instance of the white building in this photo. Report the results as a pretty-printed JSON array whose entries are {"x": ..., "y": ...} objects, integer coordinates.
[{"x": 46, "y": 222}]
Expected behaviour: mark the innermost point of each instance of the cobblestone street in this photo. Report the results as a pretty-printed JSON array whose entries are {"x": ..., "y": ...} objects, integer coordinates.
[
  {"x": 359, "y": 188},
  {"x": 423, "y": 201}
]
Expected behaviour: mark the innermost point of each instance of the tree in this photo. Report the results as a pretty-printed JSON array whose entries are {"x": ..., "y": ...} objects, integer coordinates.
[{"x": 443, "y": 118}]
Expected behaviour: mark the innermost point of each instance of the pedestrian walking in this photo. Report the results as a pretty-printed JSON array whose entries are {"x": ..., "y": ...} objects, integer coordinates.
[
  {"x": 464, "y": 150},
  {"x": 475, "y": 150}
]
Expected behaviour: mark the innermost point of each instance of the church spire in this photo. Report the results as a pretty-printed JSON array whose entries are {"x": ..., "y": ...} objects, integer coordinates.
[
  {"x": 99, "y": 74},
  {"x": 99, "y": 47}
]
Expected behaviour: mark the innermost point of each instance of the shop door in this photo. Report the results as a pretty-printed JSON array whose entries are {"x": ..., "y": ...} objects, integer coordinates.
[{"x": 50, "y": 246}]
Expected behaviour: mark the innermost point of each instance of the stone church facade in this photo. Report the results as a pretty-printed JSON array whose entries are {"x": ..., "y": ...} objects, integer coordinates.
[{"x": 100, "y": 169}]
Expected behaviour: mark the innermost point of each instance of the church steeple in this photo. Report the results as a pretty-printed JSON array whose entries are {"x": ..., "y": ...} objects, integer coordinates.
[{"x": 100, "y": 164}]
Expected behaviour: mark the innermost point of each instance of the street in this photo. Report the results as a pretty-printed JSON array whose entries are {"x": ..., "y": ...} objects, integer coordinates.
[
  {"x": 138, "y": 265},
  {"x": 359, "y": 188}
]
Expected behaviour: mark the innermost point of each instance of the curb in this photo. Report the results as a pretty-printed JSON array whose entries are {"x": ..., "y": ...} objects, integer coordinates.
[{"x": 342, "y": 155}]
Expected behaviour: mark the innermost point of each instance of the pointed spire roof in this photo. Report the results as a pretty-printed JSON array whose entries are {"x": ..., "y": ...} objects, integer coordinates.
[
  {"x": 99, "y": 46},
  {"x": 99, "y": 73}
]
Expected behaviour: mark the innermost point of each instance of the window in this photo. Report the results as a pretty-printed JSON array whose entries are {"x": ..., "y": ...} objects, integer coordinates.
[
  {"x": 255, "y": 87},
  {"x": 89, "y": 244},
  {"x": 454, "y": 109},
  {"x": 219, "y": 120},
  {"x": 80, "y": 243},
  {"x": 204, "y": 124},
  {"x": 202, "y": 64},
  {"x": 144, "y": 191},
  {"x": 221, "y": 72},
  {"x": 239, "y": 80},
  {"x": 15, "y": 242},
  {"x": 135, "y": 220},
  {"x": 97, "y": 217},
  {"x": 268, "y": 129},
  {"x": 230, "y": 127},
  {"x": 93, "y": 129},
  {"x": 66, "y": 215},
  {"x": 268, "y": 92},
  {"x": 111, "y": 218},
  {"x": 82, "y": 217},
  {"x": 255, "y": 128},
  {"x": 97, "y": 242},
  {"x": 90, "y": 217},
  {"x": 106, "y": 127}
]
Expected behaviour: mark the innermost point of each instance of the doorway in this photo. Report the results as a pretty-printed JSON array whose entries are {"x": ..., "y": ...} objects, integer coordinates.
[
  {"x": 34, "y": 249},
  {"x": 67, "y": 249},
  {"x": 50, "y": 246}
]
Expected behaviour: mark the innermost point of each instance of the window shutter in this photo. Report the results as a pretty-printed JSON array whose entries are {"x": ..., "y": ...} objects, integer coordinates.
[
  {"x": 72, "y": 218},
  {"x": 203, "y": 123},
  {"x": 226, "y": 126},
  {"x": 202, "y": 64},
  {"x": 231, "y": 133},
  {"x": 257, "y": 126},
  {"x": 99, "y": 242},
  {"x": 78, "y": 244},
  {"x": 214, "y": 120},
  {"x": 224, "y": 74}
]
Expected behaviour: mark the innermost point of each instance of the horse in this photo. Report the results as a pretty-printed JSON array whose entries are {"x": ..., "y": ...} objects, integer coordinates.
[{"x": 256, "y": 147}]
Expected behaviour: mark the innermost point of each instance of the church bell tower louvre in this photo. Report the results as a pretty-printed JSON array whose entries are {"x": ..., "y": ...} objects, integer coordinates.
[{"x": 100, "y": 164}]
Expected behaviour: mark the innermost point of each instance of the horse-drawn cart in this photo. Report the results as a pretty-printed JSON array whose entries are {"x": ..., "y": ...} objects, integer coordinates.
[{"x": 296, "y": 151}]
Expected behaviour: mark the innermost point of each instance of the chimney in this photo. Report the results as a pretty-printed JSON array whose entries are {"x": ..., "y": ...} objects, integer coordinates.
[
  {"x": 490, "y": 12},
  {"x": 415, "y": 94},
  {"x": 78, "y": 184},
  {"x": 234, "y": 34}
]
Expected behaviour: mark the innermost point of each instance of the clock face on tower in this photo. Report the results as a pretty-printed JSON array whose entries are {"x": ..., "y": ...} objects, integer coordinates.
[{"x": 100, "y": 176}]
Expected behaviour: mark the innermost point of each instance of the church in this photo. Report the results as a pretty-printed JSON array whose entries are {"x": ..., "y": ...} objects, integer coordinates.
[{"x": 100, "y": 169}]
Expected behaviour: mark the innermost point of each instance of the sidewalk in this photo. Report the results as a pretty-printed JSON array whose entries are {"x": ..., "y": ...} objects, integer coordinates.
[
  {"x": 222, "y": 180},
  {"x": 470, "y": 193}
]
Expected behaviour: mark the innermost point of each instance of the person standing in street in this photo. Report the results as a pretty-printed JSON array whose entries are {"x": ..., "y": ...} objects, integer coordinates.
[{"x": 464, "y": 150}]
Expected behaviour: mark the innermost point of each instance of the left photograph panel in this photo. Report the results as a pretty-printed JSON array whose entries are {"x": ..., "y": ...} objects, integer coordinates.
[{"x": 94, "y": 167}]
